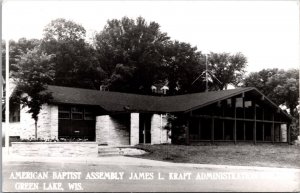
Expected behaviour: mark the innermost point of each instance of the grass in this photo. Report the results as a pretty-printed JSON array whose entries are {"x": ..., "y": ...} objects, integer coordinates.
[{"x": 244, "y": 155}]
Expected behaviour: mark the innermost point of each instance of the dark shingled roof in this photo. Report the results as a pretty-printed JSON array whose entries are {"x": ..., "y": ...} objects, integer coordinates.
[{"x": 118, "y": 102}]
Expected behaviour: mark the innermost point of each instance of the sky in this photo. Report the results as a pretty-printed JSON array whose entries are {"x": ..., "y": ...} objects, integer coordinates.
[{"x": 266, "y": 32}]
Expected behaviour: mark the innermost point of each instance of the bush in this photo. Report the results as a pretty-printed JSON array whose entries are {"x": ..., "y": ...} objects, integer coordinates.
[
  {"x": 294, "y": 129},
  {"x": 53, "y": 140},
  {"x": 178, "y": 126}
]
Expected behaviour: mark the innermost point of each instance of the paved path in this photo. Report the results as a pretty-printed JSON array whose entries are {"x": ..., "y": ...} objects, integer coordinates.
[{"x": 147, "y": 175}]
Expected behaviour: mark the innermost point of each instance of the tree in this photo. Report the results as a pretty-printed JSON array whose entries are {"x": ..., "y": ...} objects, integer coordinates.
[
  {"x": 34, "y": 72},
  {"x": 280, "y": 86},
  {"x": 226, "y": 68},
  {"x": 16, "y": 49},
  {"x": 260, "y": 80},
  {"x": 76, "y": 64},
  {"x": 130, "y": 53},
  {"x": 182, "y": 65}
]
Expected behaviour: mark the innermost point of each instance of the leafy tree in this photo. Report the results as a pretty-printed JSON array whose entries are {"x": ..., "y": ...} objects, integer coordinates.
[
  {"x": 16, "y": 49},
  {"x": 226, "y": 69},
  {"x": 34, "y": 72},
  {"x": 182, "y": 65},
  {"x": 260, "y": 80},
  {"x": 280, "y": 86},
  {"x": 286, "y": 90},
  {"x": 75, "y": 60},
  {"x": 129, "y": 52}
]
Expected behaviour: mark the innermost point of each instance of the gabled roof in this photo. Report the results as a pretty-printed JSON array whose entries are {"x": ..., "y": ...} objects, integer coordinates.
[{"x": 119, "y": 102}]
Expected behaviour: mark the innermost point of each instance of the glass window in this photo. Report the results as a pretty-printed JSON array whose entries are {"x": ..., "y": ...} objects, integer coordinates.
[
  {"x": 77, "y": 113},
  {"x": 77, "y": 110},
  {"x": 239, "y": 102},
  {"x": 64, "y": 108},
  {"x": 248, "y": 104},
  {"x": 64, "y": 112},
  {"x": 88, "y": 114},
  {"x": 228, "y": 102},
  {"x": 62, "y": 115},
  {"x": 77, "y": 116}
]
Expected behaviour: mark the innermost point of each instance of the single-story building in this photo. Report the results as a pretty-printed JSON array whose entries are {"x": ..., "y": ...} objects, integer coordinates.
[{"x": 117, "y": 119}]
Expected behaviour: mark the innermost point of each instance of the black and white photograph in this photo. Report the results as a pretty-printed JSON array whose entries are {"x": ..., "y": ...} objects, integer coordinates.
[{"x": 150, "y": 96}]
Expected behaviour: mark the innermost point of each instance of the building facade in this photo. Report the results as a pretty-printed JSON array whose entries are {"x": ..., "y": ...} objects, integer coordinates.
[{"x": 120, "y": 119}]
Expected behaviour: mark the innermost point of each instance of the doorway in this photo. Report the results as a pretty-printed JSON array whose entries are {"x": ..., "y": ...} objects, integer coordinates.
[{"x": 145, "y": 128}]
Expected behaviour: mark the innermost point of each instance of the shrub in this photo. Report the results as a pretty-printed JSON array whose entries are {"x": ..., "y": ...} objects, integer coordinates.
[
  {"x": 53, "y": 140},
  {"x": 177, "y": 125}
]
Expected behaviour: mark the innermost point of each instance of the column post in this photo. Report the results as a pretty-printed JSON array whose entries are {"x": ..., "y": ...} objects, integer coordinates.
[
  {"x": 134, "y": 128},
  {"x": 288, "y": 130},
  {"x": 280, "y": 133},
  {"x": 212, "y": 130},
  {"x": 234, "y": 126},
  {"x": 273, "y": 129},
  {"x": 263, "y": 124},
  {"x": 254, "y": 127},
  {"x": 223, "y": 123},
  {"x": 199, "y": 129},
  {"x": 187, "y": 132},
  {"x": 244, "y": 116}
]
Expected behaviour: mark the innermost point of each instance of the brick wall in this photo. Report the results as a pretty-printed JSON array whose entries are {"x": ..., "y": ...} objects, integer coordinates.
[
  {"x": 47, "y": 126},
  {"x": 158, "y": 133},
  {"x": 134, "y": 128}
]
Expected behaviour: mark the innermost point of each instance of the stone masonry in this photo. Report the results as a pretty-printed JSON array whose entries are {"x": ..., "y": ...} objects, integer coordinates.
[
  {"x": 110, "y": 131},
  {"x": 55, "y": 149},
  {"x": 134, "y": 128},
  {"x": 158, "y": 133},
  {"x": 102, "y": 129},
  {"x": 118, "y": 131},
  {"x": 47, "y": 125}
]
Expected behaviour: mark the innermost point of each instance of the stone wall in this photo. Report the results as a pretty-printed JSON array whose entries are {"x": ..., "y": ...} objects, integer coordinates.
[
  {"x": 283, "y": 129},
  {"x": 55, "y": 149},
  {"x": 158, "y": 133},
  {"x": 102, "y": 129},
  {"x": 280, "y": 133},
  {"x": 14, "y": 129},
  {"x": 134, "y": 128},
  {"x": 119, "y": 130},
  {"x": 112, "y": 130},
  {"x": 47, "y": 125}
]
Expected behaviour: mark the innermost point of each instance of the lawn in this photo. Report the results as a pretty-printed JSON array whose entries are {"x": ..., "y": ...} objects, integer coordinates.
[{"x": 245, "y": 154}]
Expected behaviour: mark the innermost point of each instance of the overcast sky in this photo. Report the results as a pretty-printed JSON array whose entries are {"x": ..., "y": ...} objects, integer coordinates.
[{"x": 266, "y": 32}]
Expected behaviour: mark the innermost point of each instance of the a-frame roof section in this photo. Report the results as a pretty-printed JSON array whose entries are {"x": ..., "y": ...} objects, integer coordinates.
[
  {"x": 215, "y": 96},
  {"x": 119, "y": 102},
  {"x": 189, "y": 102}
]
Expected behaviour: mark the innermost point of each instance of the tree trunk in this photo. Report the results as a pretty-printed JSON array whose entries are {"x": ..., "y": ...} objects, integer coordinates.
[{"x": 35, "y": 134}]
